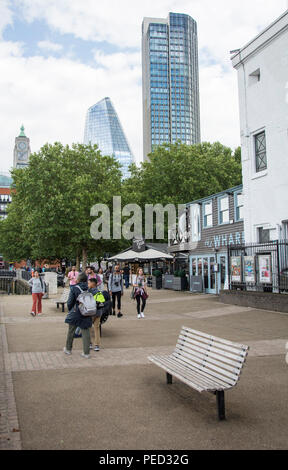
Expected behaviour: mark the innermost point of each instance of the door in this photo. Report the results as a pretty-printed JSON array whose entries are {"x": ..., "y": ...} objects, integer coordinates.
[{"x": 223, "y": 272}]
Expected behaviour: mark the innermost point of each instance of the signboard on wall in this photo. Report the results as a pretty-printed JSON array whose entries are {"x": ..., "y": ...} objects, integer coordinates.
[
  {"x": 249, "y": 269},
  {"x": 265, "y": 272},
  {"x": 236, "y": 271}
]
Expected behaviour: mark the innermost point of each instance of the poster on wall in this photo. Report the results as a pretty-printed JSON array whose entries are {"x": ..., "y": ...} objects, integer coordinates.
[
  {"x": 249, "y": 269},
  {"x": 236, "y": 269},
  {"x": 265, "y": 274}
]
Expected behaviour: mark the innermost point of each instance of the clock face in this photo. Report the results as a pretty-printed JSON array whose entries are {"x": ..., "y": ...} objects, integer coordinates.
[
  {"x": 22, "y": 156},
  {"x": 22, "y": 146}
]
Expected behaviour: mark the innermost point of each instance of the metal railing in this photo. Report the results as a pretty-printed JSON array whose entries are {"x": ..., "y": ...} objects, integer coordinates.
[{"x": 261, "y": 267}]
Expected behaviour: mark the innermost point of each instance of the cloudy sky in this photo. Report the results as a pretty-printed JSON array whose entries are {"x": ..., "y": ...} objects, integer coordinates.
[{"x": 59, "y": 57}]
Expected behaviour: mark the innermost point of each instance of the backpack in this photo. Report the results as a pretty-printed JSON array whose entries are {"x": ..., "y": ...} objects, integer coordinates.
[
  {"x": 103, "y": 303},
  {"x": 87, "y": 304}
]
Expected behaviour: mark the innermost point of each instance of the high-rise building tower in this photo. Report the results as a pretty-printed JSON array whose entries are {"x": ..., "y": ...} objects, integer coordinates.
[
  {"x": 22, "y": 150},
  {"x": 103, "y": 128},
  {"x": 171, "y": 108}
]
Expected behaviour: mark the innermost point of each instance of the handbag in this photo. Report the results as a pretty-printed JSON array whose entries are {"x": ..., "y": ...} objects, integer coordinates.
[
  {"x": 145, "y": 295},
  {"x": 133, "y": 294},
  {"x": 78, "y": 333}
]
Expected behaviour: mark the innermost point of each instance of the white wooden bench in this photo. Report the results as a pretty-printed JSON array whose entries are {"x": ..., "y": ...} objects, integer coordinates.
[
  {"x": 205, "y": 363},
  {"x": 63, "y": 299}
]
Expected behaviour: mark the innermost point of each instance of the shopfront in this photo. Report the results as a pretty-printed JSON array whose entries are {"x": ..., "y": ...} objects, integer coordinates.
[{"x": 214, "y": 225}]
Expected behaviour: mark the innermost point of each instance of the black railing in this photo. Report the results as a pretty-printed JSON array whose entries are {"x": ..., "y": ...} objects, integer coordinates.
[{"x": 261, "y": 267}]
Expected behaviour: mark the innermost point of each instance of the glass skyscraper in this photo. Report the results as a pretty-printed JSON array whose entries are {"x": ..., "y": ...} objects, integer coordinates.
[
  {"x": 103, "y": 128},
  {"x": 171, "y": 108}
]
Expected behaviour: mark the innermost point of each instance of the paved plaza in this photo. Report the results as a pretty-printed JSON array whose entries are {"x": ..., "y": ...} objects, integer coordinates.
[{"x": 119, "y": 400}]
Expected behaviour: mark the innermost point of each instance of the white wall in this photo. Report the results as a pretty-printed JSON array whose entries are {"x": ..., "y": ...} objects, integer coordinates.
[{"x": 264, "y": 105}]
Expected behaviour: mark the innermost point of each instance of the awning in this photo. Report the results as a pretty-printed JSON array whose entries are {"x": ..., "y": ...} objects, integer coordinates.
[{"x": 149, "y": 255}]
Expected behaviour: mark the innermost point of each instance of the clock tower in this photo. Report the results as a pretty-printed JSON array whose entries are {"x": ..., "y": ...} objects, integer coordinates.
[{"x": 22, "y": 150}]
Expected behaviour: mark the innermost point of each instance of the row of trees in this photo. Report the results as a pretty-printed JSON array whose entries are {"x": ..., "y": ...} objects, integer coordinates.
[{"x": 50, "y": 213}]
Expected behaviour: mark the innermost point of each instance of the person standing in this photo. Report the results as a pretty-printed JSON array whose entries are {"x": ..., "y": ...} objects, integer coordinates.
[
  {"x": 72, "y": 276},
  {"x": 126, "y": 275},
  {"x": 75, "y": 319},
  {"x": 100, "y": 274},
  {"x": 115, "y": 287},
  {"x": 140, "y": 295},
  {"x": 38, "y": 290}
]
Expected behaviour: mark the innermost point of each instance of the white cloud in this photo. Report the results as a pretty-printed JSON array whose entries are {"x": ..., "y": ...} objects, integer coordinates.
[
  {"x": 5, "y": 15},
  {"x": 49, "y": 46},
  {"x": 51, "y": 95}
]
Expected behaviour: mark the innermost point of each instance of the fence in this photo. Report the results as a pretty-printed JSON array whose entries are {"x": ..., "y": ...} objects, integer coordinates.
[{"x": 259, "y": 267}]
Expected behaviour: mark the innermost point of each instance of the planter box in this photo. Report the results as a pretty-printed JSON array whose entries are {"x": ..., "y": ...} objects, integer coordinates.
[{"x": 175, "y": 283}]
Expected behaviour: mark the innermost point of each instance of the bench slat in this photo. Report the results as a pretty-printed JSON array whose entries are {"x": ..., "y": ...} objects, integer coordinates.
[
  {"x": 221, "y": 346},
  {"x": 232, "y": 359},
  {"x": 235, "y": 346},
  {"x": 206, "y": 357},
  {"x": 204, "y": 370},
  {"x": 208, "y": 381},
  {"x": 193, "y": 379}
]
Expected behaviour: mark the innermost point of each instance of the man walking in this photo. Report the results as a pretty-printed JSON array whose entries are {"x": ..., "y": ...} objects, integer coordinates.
[
  {"x": 126, "y": 275},
  {"x": 115, "y": 287}
]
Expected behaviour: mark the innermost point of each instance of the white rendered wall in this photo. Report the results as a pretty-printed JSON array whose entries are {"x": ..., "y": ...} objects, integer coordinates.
[{"x": 264, "y": 106}]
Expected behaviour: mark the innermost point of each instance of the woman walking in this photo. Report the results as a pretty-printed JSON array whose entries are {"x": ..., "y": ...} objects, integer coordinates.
[
  {"x": 140, "y": 292},
  {"x": 38, "y": 290}
]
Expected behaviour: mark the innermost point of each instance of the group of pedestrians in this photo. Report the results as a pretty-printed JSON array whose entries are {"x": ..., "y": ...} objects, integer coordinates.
[{"x": 110, "y": 283}]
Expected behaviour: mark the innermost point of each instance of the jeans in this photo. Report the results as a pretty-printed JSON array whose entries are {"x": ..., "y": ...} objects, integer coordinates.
[
  {"x": 118, "y": 296},
  {"x": 85, "y": 339},
  {"x": 138, "y": 299},
  {"x": 126, "y": 280}
]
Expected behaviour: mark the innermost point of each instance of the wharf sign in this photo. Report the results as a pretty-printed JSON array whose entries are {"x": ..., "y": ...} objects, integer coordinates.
[{"x": 228, "y": 239}]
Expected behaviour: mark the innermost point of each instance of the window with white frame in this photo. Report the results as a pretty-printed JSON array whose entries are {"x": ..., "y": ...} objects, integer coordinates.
[
  {"x": 239, "y": 206},
  {"x": 223, "y": 210},
  {"x": 263, "y": 235},
  {"x": 208, "y": 214}
]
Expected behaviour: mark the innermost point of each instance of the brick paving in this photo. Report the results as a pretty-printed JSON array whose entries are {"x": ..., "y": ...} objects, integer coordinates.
[{"x": 13, "y": 362}]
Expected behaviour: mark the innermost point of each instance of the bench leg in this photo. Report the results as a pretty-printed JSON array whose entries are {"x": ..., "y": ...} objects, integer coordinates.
[
  {"x": 63, "y": 308},
  {"x": 169, "y": 379},
  {"x": 221, "y": 405},
  {"x": 57, "y": 305}
]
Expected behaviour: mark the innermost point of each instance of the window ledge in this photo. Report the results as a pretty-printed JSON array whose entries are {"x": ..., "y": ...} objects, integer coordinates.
[{"x": 261, "y": 174}]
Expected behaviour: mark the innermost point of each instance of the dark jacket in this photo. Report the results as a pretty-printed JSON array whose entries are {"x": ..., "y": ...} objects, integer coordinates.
[{"x": 74, "y": 316}]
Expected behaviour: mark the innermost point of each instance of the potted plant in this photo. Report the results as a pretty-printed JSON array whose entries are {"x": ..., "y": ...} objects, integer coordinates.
[
  {"x": 180, "y": 280},
  {"x": 156, "y": 279}
]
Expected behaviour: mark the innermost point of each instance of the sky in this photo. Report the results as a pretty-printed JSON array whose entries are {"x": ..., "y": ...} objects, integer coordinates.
[{"x": 59, "y": 57}]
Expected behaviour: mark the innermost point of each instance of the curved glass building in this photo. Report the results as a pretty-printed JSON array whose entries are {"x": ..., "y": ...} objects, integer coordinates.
[
  {"x": 104, "y": 129},
  {"x": 171, "y": 109}
]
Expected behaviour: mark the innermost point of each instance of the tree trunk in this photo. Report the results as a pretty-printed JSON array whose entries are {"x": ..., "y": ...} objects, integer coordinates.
[
  {"x": 84, "y": 259},
  {"x": 78, "y": 263}
]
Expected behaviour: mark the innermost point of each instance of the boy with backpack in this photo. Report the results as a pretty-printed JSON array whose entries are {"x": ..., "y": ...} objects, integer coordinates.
[
  {"x": 76, "y": 319},
  {"x": 100, "y": 301}
]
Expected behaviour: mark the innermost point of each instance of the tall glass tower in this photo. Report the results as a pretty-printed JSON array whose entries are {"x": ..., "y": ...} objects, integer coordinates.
[
  {"x": 171, "y": 108},
  {"x": 103, "y": 128}
]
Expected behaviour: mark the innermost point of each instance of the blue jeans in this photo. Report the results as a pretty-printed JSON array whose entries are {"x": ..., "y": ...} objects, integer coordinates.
[{"x": 126, "y": 279}]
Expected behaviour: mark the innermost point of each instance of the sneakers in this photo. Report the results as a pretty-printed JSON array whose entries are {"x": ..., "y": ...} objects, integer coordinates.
[
  {"x": 142, "y": 315},
  {"x": 91, "y": 346},
  {"x": 120, "y": 315},
  {"x": 39, "y": 314},
  {"x": 96, "y": 348},
  {"x": 113, "y": 313},
  {"x": 67, "y": 352},
  {"x": 33, "y": 314},
  {"x": 87, "y": 356},
  {"x": 139, "y": 316}
]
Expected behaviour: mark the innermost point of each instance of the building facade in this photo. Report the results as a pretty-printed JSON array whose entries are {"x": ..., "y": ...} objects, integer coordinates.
[
  {"x": 170, "y": 75},
  {"x": 205, "y": 232},
  {"x": 5, "y": 194},
  {"x": 262, "y": 67},
  {"x": 103, "y": 128},
  {"x": 22, "y": 150}
]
